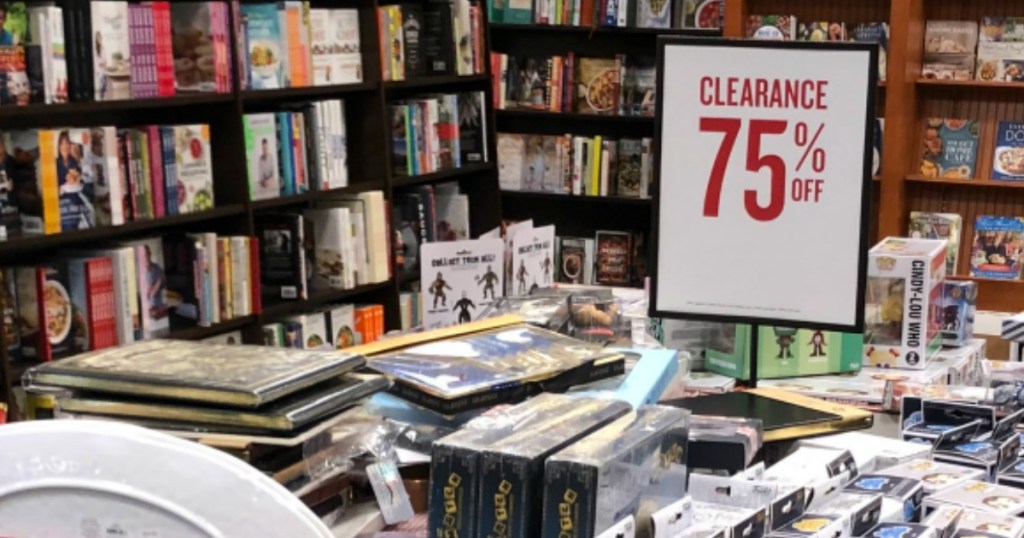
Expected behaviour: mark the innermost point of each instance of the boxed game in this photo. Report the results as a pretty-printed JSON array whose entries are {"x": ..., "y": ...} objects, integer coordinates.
[
  {"x": 989, "y": 453},
  {"x": 907, "y": 493},
  {"x": 739, "y": 522},
  {"x": 637, "y": 461},
  {"x": 784, "y": 502},
  {"x": 959, "y": 301},
  {"x": 511, "y": 471},
  {"x": 901, "y": 328},
  {"x": 937, "y": 417},
  {"x": 860, "y": 512},
  {"x": 996, "y": 248},
  {"x": 784, "y": 352},
  {"x": 871, "y": 452},
  {"x": 979, "y": 495},
  {"x": 935, "y": 476}
]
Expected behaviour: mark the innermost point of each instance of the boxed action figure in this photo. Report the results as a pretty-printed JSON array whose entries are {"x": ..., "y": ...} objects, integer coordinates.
[
  {"x": 725, "y": 444},
  {"x": 860, "y": 512},
  {"x": 812, "y": 526},
  {"x": 1013, "y": 474},
  {"x": 808, "y": 465},
  {"x": 982, "y": 496},
  {"x": 784, "y": 352},
  {"x": 902, "y": 530},
  {"x": 959, "y": 302},
  {"x": 903, "y": 494},
  {"x": 989, "y": 453},
  {"x": 987, "y": 522},
  {"x": 740, "y": 522},
  {"x": 904, "y": 289},
  {"x": 784, "y": 503},
  {"x": 633, "y": 466},
  {"x": 934, "y": 475},
  {"x": 872, "y": 452},
  {"x": 936, "y": 417}
]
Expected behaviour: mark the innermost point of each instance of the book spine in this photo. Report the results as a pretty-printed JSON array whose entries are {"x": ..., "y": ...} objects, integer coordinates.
[
  {"x": 102, "y": 303},
  {"x": 606, "y": 156},
  {"x": 165, "y": 51},
  {"x": 156, "y": 170},
  {"x": 170, "y": 170},
  {"x": 255, "y": 296},
  {"x": 122, "y": 311},
  {"x": 293, "y": 41},
  {"x": 239, "y": 277},
  {"x": 577, "y": 166},
  {"x": 647, "y": 163},
  {"x": 135, "y": 46},
  {"x": 385, "y": 44},
  {"x": 299, "y": 152},
  {"x": 240, "y": 46},
  {"x": 284, "y": 145},
  {"x": 142, "y": 280},
  {"x": 199, "y": 285},
  {"x": 311, "y": 135},
  {"x": 324, "y": 147},
  {"x": 224, "y": 294},
  {"x": 48, "y": 187},
  {"x": 568, "y": 93},
  {"x": 43, "y": 347}
]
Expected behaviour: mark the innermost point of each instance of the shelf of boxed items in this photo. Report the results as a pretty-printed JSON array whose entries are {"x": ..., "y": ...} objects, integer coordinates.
[
  {"x": 42, "y": 244},
  {"x": 399, "y": 182},
  {"x": 276, "y": 311}
]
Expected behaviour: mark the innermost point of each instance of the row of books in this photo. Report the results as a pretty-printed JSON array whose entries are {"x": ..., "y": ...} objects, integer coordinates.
[
  {"x": 425, "y": 214},
  {"x": 957, "y": 50},
  {"x": 997, "y": 245},
  {"x": 97, "y": 298},
  {"x": 578, "y": 165},
  {"x": 438, "y": 132},
  {"x": 950, "y": 149},
  {"x": 608, "y": 86},
  {"x": 786, "y": 28},
  {"x": 613, "y": 258},
  {"x": 702, "y": 14},
  {"x": 410, "y": 303},
  {"x": 437, "y": 38},
  {"x": 330, "y": 327},
  {"x": 55, "y": 180},
  {"x": 288, "y": 45},
  {"x": 296, "y": 151},
  {"x": 341, "y": 244}
]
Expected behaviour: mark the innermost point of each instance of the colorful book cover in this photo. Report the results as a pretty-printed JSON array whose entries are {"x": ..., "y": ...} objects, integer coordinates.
[
  {"x": 533, "y": 255},
  {"x": 62, "y": 174},
  {"x": 298, "y": 54},
  {"x": 58, "y": 312},
  {"x": 950, "y": 148},
  {"x": 193, "y": 168},
  {"x": 92, "y": 294},
  {"x": 149, "y": 267},
  {"x": 261, "y": 150},
  {"x": 342, "y": 326},
  {"x": 462, "y": 278},
  {"x": 874, "y": 32},
  {"x": 111, "y": 50},
  {"x": 821, "y": 31},
  {"x": 163, "y": 48},
  {"x": 572, "y": 255},
  {"x": 396, "y": 48},
  {"x": 284, "y": 153},
  {"x": 447, "y": 131},
  {"x": 996, "y": 249},
  {"x": 949, "y": 50},
  {"x": 771, "y": 27},
  {"x": 628, "y": 178},
  {"x": 101, "y": 169},
  {"x": 948, "y": 226},
  {"x": 703, "y": 14},
  {"x": 15, "y": 88},
  {"x": 654, "y": 14},
  {"x": 597, "y": 81},
  {"x": 472, "y": 128},
  {"x": 1009, "y": 157},
  {"x": 193, "y": 46},
  {"x": 263, "y": 37},
  {"x": 293, "y": 334},
  {"x": 170, "y": 169},
  {"x": 612, "y": 260},
  {"x": 641, "y": 87},
  {"x": 329, "y": 230},
  {"x": 321, "y": 46},
  {"x": 1001, "y": 49}
]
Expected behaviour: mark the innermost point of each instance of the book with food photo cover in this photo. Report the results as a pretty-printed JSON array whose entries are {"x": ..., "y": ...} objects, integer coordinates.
[
  {"x": 239, "y": 376},
  {"x": 654, "y": 14},
  {"x": 1009, "y": 158},
  {"x": 704, "y": 14},
  {"x": 950, "y": 148},
  {"x": 949, "y": 50},
  {"x": 772, "y": 27},
  {"x": 597, "y": 85},
  {"x": 193, "y": 46},
  {"x": 821, "y": 31},
  {"x": 1001, "y": 50},
  {"x": 285, "y": 415},
  {"x": 996, "y": 250},
  {"x": 265, "y": 54}
]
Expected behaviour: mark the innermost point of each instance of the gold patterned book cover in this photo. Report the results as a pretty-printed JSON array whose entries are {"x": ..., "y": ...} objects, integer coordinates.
[
  {"x": 285, "y": 415},
  {"x": 242, "y": 376}
]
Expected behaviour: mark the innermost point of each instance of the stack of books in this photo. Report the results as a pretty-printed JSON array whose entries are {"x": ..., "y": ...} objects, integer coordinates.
[
  {"x": 703, "y": 14},
  {"x": 297, "y": 151},
  {"x": 608, "y": 86},
  {"x": 330, "y": 327},
  {"x": 290, "y": 45},
  {"x": 437, "y": 38},
  {"x": 96, "y": 298},
  {"x": 578, "y": 165},
  {"x": 346, "y": 235},
  {"x": 439, "y": 132},
  {"x": 74, "y": 179}
]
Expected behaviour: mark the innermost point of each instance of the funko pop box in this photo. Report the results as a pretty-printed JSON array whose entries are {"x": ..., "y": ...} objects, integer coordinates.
[
  {"x": 959, "y": 303},
  {"x": 784, "y": 352},
  {"x": 902, "y": 326}
]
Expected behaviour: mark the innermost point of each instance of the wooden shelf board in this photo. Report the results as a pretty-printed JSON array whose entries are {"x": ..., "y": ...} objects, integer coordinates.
[
  {"x": 275, "y": 311},
  {"x": 970, "y": 84},
  {"x": 571, "y": 116},
  {"x": 454, "y": 173},
  {"x": 433, "y": 81},
  {"x": 630, "y": 31},
  {"x": 306, "y": 92},
  {"x": 39, "y": 243},
  {"x": 199, "y": 333},
  {"x": 608, "y": 200},
  {"x": 1000, "y": 184},
  {"x": 103, "y": 107},
  {"x": 306, "y": 197}
]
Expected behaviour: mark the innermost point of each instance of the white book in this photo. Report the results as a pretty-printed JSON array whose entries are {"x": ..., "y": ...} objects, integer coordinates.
[
  {"x": 360, "y": 240},
  {"x": 101, "y": 168},
  {"x": 323, "y": 146},
  {"x": 332, "y": 239},
  {"x": 340, "y": 145},
  {"x": 209, "y": 242},
  {"x": 606, "y": 154},
  {"x": 282, "y": 25},
  {"x": 533, "y": 255},
  {"x": 321, "y": 53},
  {"x": 588, "y": 262},
  {"x": 433, "y": 118},
  {"x": 462, "y": 33},
  {"x": 460, "y": 279},
  {"x": 110, "y": 50},
  {"x": 240, "y": 284},
  {"x": 377, "y": 243},
  {"x": 39, "y": 29},
  {"x": 342, "y": 320},
  {"x": 261, "y": 151},
  {"x": 347, "y": 60}
]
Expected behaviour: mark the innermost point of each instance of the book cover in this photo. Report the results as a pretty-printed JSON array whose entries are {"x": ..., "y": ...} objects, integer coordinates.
[
  {"x": 550, "y": 169},
  {"x": 1001, "y": 49},
  {"x": 152, "y": 287},
  {"x": 462, "y": 37},
  {"x": 452, "y": 217},
  {"x": 461, "y": 279},
  {"x": 571, "y": 258},
  {"x": 263, "y": 37},
  {"x": 412, "y": 36},
  {"x": 949, "y": 50},
  {"x": 330, "y": 230},
  {"x": 321, "y": 47},
  {"x": 92, "y": 298},
  {"x": 533, "y": 163},
  {"x": 163, "y": 45},
  {"x": 293, "y": 334},
  {"x": 628, "y": 176},
  {"x": 597, "y": 83},
  {"x": 142, "y": 51},
  {"x": 1009, "y": 157},
  {"x": 448, "y": 131},
  {"x": 640, "y": 94},
  {"x": 533, "y": 254},
  {"x": 472, "y": 128},
  {"x": 9, "y": 310},
  {"x": 58, "y": 312},
  {"x": 438, "y": 45},
  {"x": 284, "y": 152},
  {"x": 37, "y": 55},
  {"x": 38, "y": 214},
  {"x": 821, "y": 31},
  {"x": 295, "y": 42},
  {"x": 612, "y": 259},
  {"x": 395, "y": 43},
  {"x": 950, "y": 148},
  {"x": 62, "y": 173},
  {"x": 47, "y": 29},
  {"x": 926, "y": 225},
  {"x": 155, "y": 167},
  {"x": 338, "y": 145},
  {"x": 341, "y": 320},
  {"x": 282, "y": 259},
  {"x": 996, "y": 248},
  {"x": 101, "y": 169},
  {"x": 511, "y": 156},
  {"x": 111, "y": 50},
  {"x": 193, "y": 46},
  {"x": 261, "y": 150},
  {"x": 9, "y": 216},
  {"x": 654, "y": 13},
  {"x": 410, "y": 229},
  {"x": 183, "y": 271},
  {"x": 702, "y": 14},
  {"x": 877, "y": 142},
  {"x": 771, "y": 27},
  {"x": 874, "y": 32},
  {"x": 15, "y": 87}
]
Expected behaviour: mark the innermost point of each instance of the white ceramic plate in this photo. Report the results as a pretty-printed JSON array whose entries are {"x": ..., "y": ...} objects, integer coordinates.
[{"x": 83, "y": 478}]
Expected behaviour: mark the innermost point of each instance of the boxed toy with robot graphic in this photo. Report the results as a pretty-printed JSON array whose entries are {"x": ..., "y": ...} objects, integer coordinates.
[
  {"x": 903, "y": 298},
  {"x": 959, "y": 301},
  {"x": 785, "y": 352}
]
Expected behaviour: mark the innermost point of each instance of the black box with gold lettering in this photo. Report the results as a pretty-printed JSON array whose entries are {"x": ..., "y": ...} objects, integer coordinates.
[{"x": 634, "y": 466}]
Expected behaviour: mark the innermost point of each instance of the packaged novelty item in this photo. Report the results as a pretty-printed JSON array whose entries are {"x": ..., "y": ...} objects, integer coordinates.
[
  {"x": 899, "y": 495},
  {"x": 935, "y": 476},
  {"x": 872, "y": 452},
  {"x": 904, "y": 288},
  {"x": 784, "y": 352},
  {"x": 959, "y": 302},
  {"x": 860, "y": 512},
  {"x": 982, "y": 496}
]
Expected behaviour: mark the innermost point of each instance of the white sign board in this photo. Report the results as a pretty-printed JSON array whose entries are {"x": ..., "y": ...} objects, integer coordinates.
[{"x": 764, "y": 176}]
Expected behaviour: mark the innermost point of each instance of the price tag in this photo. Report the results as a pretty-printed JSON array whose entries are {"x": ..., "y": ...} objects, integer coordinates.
[{"x": 763, "y": 181}]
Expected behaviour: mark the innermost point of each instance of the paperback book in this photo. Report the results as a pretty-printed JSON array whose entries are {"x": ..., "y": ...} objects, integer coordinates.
[
  {"x": 996, "y": 249},
  {"x": 950, "y": 148},
  {"x": 263, "y": 38},
  {"x": 110, "y": 50}
]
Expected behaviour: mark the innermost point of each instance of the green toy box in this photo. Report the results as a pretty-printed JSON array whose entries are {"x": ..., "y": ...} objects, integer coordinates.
[{"x": 785, "y": 352}]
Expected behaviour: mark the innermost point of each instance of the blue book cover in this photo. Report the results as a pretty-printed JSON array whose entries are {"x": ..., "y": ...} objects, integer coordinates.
[
  {"x": 175, "y": 189},
  {"x": 950, "y": 148},
  {"x": 265, "y": 51},
  {"x": 996, "y": 250},
  {"x": 284, "y": 150},
  {"x": 1009, "y": 158}
]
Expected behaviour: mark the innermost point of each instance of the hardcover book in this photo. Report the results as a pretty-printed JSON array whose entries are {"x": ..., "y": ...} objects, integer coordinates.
[
  {"x": 1001, "y": 50},
  {"x": 996, "y": 248},
  {"x": 627, "y": 182},
  {"x": 347, "y": 66},
  {"x": 333, "y": 253},
  {"x": 572, "y": 256},
  {"x": 92, "y": 294},
  {"x": 654, "y": 14},
  {"x": 511, "y": 154},
  {"x": 110, "y": 50},
  {"x": 321, "y": 46},
  {"x": 472, "y": 128},
  {"x": 23, "y": 169},
  {"x": 63, "y": 176},
  {"x": 612, "y": 261},
  {"x": 57, "y": 312},
  {"x": 265, "y": 46},
  {"x": 261, "y": 150},
  {"x": 821, "y": 31},
  {"x": 193, "y": 168},
  {"x": 412, "y": 36},
  {"x": 924, "y": 225},
  {"x": 702, "y": 14},
  {"x": 874, "y": 32},
  {"x": 236, "y": 376},
  {"x": 282, "y": 259},
  {"x": 15, "y": 86},
  {"x": 640, "y": 92},
  {"x": 152, "y": 286},
  {"x": 772, "y": 27},
  {"x": 950, "y": 148},
  {"x": 1009, "y": 158},
  {"x": 949, "y": 50},
  {"x": 597, "y": 85},
  {"x": 193, "y": 44}
]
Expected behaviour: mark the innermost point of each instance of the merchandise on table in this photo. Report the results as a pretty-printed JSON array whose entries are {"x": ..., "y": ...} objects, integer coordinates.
[
  {"x": 988, "y": 452},
  {"x": 860, "y": 512},
  {"x": 785, "y": 352},
  {"x": 737, "y": 521},
  {"x": 959, "y": 302},
  {"x": 810, "y": 466},
  {"x": 927, "y": 225},
  {"x": 982, "y": 496},
  {"x": 871, "y": 452},
  {"x": 904, "y": 530},
  {"x": 812, "y": 525},
  {"x": 901, "y": 496},
  {"x": 937, "y": 417},
  {"x": 783, "y": 503},
  {"x": 724, "y": 443},
  {"x": 986, "y": 522},
  {"x": 935, "y": 476}
]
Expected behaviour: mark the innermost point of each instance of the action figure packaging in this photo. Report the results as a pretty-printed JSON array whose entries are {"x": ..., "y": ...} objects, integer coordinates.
[
  {"x": 812, "y": 526},
  {"x": 1012, "y": 474},
  {"x": 904, "y": 291},
  {"x": 674, "y": 520},
  {"x": 944, "y": 519},
  {"x": 633, "y": 466},
  {"x": 871, "y": 452},
  {"x": 784, "y": 352},
  {"x": 903, "y": 494},
  {"x": 990, "y": 453},
  {"x": 902, "y": 530},
  {"x": 725, "y": 444},
  {"x": 936, "y": 417},
  {"x": 807, "y": 466},
  {"x": 512, "y": 470},
  {"x": 993, "y": 498},
  {"x": 860, "y": 512},
  {"x": 739, "y": 522},
  {"x": 784, "y": 503},
  {"x": 703, "y": 531},
  {"x": 987, "y": 522},
  {"x": 935, "y": 476},
  {"x": 959, "y": 302},
  {"x": 455, "y": 460}
]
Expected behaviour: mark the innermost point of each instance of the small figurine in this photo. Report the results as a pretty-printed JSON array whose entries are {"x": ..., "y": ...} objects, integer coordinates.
[
  {"x": 488, "y": 279},
  {"x": 818, "y": 344},
  {"x": 784, "y": 338},
  {"x": 437, "y": 288},
  {"x": 463, "y": 305}
]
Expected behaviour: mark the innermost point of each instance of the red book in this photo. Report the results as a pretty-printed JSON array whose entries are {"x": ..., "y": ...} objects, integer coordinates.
[
  {"x": 587, "y": 12},
  {"x": 496, "y": 79},
  {"x": 164, "y": 50},
  {"x": 156, "y": 170},
  {"x": 255, "y": 299},
  {"x": 100, "y": 303},
  {"x": 220, "y": 46}
]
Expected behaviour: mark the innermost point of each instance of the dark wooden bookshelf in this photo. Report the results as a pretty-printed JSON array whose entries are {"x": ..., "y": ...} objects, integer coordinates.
[
  {"x": 569, "y": 199},
  {"x": 572, "y": 117},
  {"x": 602, "y": 30},
  {"x": 369, "y": 150}
]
